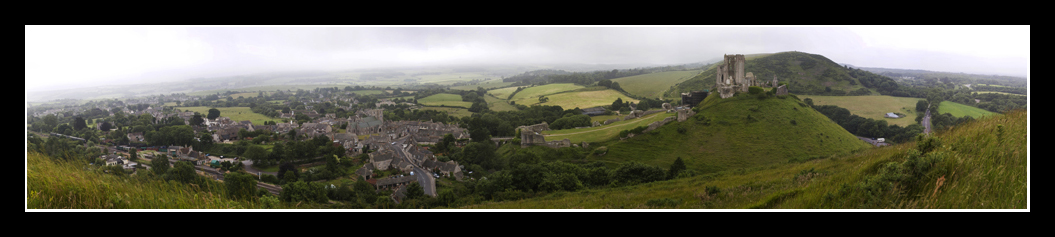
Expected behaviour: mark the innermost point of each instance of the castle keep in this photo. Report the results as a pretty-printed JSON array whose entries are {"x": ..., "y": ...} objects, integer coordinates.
[{"x": 731, "y": 77}]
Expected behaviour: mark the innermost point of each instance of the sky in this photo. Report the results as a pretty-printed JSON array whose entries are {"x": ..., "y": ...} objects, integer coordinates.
[{"x": 79, "y": 56}]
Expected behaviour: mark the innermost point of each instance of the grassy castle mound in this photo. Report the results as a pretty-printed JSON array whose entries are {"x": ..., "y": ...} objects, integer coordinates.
[
  {"x": 977, "y": 165},
  {"x": 739, "y": 132}
]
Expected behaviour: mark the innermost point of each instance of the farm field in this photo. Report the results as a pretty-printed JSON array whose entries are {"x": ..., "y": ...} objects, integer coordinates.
[
  {"x": 235, "y": 113},
  {"x": 996, "y": 92},
  {"x": 445, "y": 99},
  {"x": 960, "y": 110},
  {"x": 266, "y": 88},
  {"x": 496, "y": 83},
  {"x": 530, "y": 96},
  {"x": 605, "y": 132},
  {"x": 874, "y": 107},
  {"x": 497, "y": 104},
  {"x": 581, "y": 99},
  {"x": 653, "y": 85},
  {"x": 502, "y": 93},
  {"x": 456, "y": 112}
]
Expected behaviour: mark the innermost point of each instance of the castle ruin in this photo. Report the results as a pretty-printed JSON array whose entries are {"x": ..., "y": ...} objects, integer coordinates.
[{"x": 731, "y": 77}]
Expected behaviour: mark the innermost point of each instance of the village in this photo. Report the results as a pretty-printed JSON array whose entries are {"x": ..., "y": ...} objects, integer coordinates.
[{"x": 389, "y": 145}]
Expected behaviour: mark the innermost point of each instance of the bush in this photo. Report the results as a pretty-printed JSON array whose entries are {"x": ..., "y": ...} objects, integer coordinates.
[{"x": 754, "y": 90}]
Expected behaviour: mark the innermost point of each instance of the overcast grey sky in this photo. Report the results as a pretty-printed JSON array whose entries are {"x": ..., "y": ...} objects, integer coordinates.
[{"x": 64, "y": 56}]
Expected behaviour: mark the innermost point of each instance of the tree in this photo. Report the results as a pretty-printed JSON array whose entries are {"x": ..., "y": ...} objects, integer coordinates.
[
  {"x": 78, "y": 123},
  {"x": 240, "y": 185},
  {"x": 105, "y": 127},
  {"x": 618, "y": 104},
  {"x": 255, "y": 153},
  {"x": 213, "y": 113},
  {"x": 415, "y": 191},
  {"x": 183, "y": 172},
  {"x": 133, "y": 154},
  {"x": 196, "y": 120},
  {"x": 50, "y": 122},
  {"x": 676, "y": 168}
]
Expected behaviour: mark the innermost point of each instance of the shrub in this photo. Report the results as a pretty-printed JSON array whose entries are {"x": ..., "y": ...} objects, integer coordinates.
[{"x": 754, "y": 90}]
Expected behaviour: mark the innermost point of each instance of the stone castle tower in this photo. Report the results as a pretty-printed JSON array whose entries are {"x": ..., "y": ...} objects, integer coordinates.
[{"x": 731, "y": 76}]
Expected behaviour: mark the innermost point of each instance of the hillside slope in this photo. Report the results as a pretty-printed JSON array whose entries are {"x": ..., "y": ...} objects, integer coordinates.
[
  {"x": 805, "y": 74},
  {"x": 978, "y": 165},
  {"x": 54, "y": 184},
  {"x": 739, "y": 132}
]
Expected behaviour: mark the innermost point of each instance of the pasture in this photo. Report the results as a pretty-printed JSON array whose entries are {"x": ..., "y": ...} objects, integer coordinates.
[
  {"x": 530, "y": 95},
  {"x": 653, "y": 85},
  {"x": 960, "y": 110},
  {"x": 235, "y": 113},
  {"x": 456, "y": 112},
  {"x": 444, "y": 99},
  {"x": 497, "y": 104},
  {"x": 495, "y": 83},
  {"x": 502, "y": 93},
  {"x": 873, "y": 107},
  {"x": 582, "y": 99}
]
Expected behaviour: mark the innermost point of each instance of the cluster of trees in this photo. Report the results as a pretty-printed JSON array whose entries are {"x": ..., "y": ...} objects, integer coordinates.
[
  {"x": 477, "y": 98},
  {"x": 570, "y": 121}
]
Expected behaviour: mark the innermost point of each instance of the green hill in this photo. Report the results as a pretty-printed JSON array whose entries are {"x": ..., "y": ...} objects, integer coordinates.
[
  {"x": 739, "y": 132},
  {"x": 805, "y": 74},
  {"x": 978, "y": 165}
]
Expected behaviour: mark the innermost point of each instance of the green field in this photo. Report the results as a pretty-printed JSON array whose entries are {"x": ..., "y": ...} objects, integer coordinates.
[
  {"x": 960, "y": 110},
  {"x": 605, "y": 132},
  {"x": 444, "y": 99},
  {"x": 582, "y": 99},
  {"x": 235, "y": 113},
  {"x": 653, "y": 85},
  {"x": 996, "y": 92},
  {"x": 497, "y": 104},
  {"x": 497, "y": 83},
  {"x": 502, "y": 93},
  {"x": 456, "y": 112},
  {"x": 530, "y": 95},
  {"x": 873, "y": 107}
]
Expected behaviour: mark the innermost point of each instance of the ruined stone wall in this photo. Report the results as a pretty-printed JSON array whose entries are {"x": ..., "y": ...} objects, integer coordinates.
[
  {"x": 685, "y": 114},
  {"x": 650, "y": 112},
  {"x": 610, "y": 121},
  {"x": 782, "y": 90},
  {"x": 656, "y": 124}
]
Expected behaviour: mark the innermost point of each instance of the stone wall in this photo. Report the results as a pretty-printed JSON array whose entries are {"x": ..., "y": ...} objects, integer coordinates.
[
  {"x": 782, "y": 90},
  {"x": 610, "y": 121},
  {"x": 685, "y": 114},
  {"x": 656, "y": 124}
]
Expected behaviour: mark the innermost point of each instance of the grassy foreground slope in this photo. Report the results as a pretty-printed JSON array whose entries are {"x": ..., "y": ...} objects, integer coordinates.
[
  {"x": 739, "y": 132},
  {"x": 68, "y": 185},
  {"x": 978, "y": 165}
]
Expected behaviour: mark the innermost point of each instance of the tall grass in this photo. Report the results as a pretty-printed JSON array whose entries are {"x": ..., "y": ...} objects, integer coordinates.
[{"x": 53, "y": 184}]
